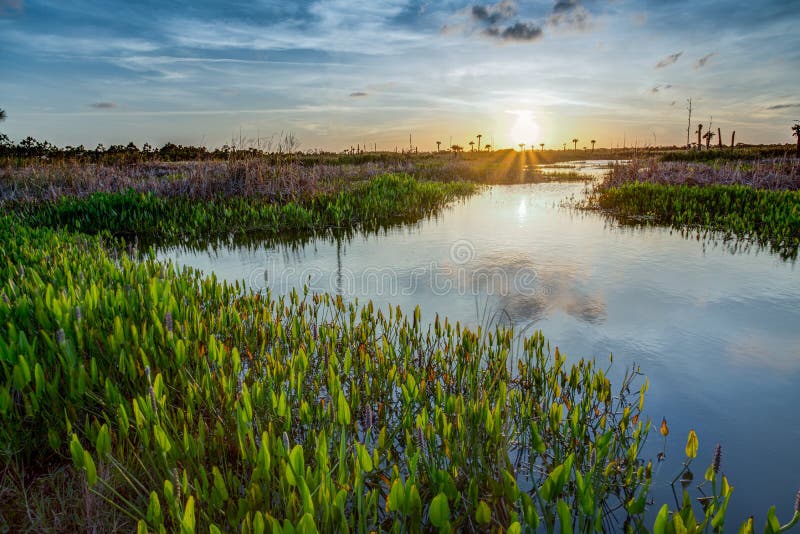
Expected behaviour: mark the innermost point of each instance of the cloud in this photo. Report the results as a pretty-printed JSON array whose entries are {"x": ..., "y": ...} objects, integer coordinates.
[
  {"x": 358, "y": 94},
  {"x": 669, "y": 60},
  {"x": 784, "y": 106},
  {"x": 498, "y": 21},
  {"x": 494, "y": 13},
  {"x": 519, "y": 31},
  {"x": 8, "y": 7},
  {"x": 565, "y": 5},
  {"x": 569, "y": 14},
  {"x": 703, "y": 60},
  {"x": 102, "y": 105},
  {"x": 660, "y": 87}
]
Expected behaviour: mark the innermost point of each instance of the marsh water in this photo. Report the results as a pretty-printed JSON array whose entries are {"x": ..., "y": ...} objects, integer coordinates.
[{"x": 714, "y": 325}]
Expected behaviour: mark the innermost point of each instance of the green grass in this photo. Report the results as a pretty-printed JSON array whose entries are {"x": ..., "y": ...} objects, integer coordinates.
[
  {"x": 368, "y": 205},
  {"x": 136, "y": 393},
  {"x": 771, "y": 217}
]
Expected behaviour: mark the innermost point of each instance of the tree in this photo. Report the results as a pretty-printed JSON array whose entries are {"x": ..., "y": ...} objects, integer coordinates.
[
  {"x": 479, "y": 141},
  {"x": 575, "y": 143},
  {"x": 438, "y": 144},
  {"x": 689, "y": 127},
  {"x": 593, "y": 142},
  {"x": 708, "y": 136},
  {"x": 472, "y": 146},
  {"x": 699, "y": 133},
  {"x": 796, "y": 133},
  {"x": 541, "y": 145},
  {"x": 564, "y": 146},
  {"x": 2, "y": 115},
  {"x": 488, "y": 148},
  {"x": 521, "y": 147},
  {"x": 457, "y": 148}
]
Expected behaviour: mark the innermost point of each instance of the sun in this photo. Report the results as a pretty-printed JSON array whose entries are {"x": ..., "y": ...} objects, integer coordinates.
[{"x": 525, "y": 128}]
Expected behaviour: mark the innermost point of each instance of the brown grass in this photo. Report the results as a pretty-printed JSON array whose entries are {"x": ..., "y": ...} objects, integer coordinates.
[{"x": 774, "y": 174}]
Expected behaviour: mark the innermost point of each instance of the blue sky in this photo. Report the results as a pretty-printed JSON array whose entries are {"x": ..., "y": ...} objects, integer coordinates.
[{"x": 337, "y": 73}]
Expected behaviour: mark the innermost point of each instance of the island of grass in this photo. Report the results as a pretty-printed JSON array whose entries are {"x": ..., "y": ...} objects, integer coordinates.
[{"x": 756, "y": 199}]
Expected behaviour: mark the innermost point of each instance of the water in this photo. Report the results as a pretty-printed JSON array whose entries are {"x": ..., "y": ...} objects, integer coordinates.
[{"x": 715, "y": 330}]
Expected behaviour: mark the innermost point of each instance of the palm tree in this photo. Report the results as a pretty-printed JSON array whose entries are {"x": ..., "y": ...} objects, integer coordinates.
[
  {"x": 438, "y": 144},
  {"x": 796, "y": 133},
  {"x": 541, "y": 145},
  {"x": 593, "y": 142},
  {"x": 565, "y": 146},
  {"x": 521, "y": 147},
  {"x": 575, "y": 144},
  {"x": 488, "y": 148},
  {"x": 708, "y": 136},
  {"x": 479, "y": 141},
  {"x": 472, "y": 146}
]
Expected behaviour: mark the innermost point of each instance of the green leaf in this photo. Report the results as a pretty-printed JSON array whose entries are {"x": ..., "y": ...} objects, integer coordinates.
[
  {"x": 364, "y": 459},
  {"x": 483, "y": 515},
  {"x": 76, "y": 449},
  {"x": 188, "y": 521},
  {"x": 660, "y": 525},
  {"x": 439, "y": 511},
  {"x": 691, "y": 445},
  {"x": 91, "y": 470},
  {"x": 103, "y": 441},
  {"x": 773, "y": 526},
  {"x": 397, "y": 497},
  {"x": 564, "y": 517}
]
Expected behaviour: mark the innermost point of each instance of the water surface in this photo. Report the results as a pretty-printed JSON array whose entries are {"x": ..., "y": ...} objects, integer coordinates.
[{"x": 714, "y": 328}]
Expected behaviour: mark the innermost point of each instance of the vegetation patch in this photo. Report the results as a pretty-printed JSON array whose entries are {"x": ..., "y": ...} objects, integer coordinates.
[{"x": 385, "y": 200}]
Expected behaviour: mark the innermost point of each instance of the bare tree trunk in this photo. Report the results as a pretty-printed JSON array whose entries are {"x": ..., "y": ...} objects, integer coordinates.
[
  {"x": 719, "y": 137},
  {"x": 689, "y": 127},
  {"x": 700, "y": 137},
  {"x": 733, "y": 138}
]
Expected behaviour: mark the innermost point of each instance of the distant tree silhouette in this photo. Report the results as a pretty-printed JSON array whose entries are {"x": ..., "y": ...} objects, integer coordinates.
[
  {"x": 471, "y": 146},
  {"x": 796, "y": 133},
  {"x": 708, "y": 136},
  {"x": 699, "y": 133},
  {"x": 564, "y": 146},
  {"x": 541, "y": 145},
  {"x": 438, "y": 144},
  {"x": 479, "y": 141},
  {"x": 521, "y": 147},
  {"x": 2, "y": 115},
  {"x": 457, "y": 148},
  {"x": 575, "y": 143},
  {"x": 488, "y": 148},
  {"x": 593, "y": 142}
]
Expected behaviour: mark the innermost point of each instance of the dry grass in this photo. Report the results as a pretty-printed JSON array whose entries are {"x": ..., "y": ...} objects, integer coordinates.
[
  {"x": 773, "y": 174},
  {"x": 56, "y": 501}
]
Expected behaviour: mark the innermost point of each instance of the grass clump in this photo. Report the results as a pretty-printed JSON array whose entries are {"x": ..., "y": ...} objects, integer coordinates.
[
  {"x": 769, "y": 216},
  {"x": 369, "y": 205}
]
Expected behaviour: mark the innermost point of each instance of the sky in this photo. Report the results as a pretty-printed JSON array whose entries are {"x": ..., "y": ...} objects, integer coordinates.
[{"x": 337, "y": 73}]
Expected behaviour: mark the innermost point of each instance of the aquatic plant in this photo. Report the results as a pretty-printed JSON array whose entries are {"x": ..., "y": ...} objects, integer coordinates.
[
  {"x": 384, "y": 200},
  {"x": 768, "y": 216},
  {"x": 184, "y": 403}
]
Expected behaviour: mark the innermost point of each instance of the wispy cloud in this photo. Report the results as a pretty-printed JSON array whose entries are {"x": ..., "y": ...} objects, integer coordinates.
[
  {"x": 569, "y": 14},
  {"x": 494, "y": 13},
  {"x": 358, "y": 94},
  {"x": 656, "y": 89},
  {"x": 102, "y": 105},
  {"x": 669, "y": 60},
  {"x": 700, "y": 63},
  {"x": 784, "y": 106}
]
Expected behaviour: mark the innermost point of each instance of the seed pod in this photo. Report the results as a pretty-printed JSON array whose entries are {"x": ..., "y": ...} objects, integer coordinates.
[{"x": 717, "y": 458}]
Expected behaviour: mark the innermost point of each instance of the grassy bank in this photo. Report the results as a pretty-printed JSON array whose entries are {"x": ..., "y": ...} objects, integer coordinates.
[
  {"x": 757, "y": 201},
  {"x": 148, "y": 216},
  {"x": 162, "y": 400}
]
